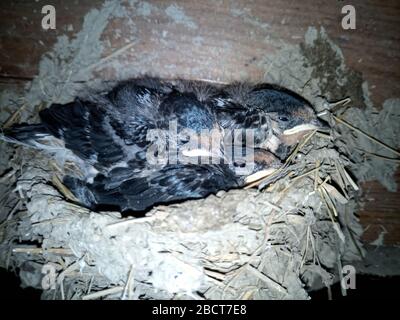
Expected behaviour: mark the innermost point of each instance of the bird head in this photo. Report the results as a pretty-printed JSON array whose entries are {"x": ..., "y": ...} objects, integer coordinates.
[
  {"x": 291, "y": 123},
  {"x": 291, "y": 116}
]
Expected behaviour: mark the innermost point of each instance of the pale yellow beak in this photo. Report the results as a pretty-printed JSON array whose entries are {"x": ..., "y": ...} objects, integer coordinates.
[{"x": 259, "y": 175}]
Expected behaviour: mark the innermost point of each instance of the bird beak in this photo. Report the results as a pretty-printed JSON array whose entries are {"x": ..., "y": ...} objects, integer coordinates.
[
  {"x": 315, "y": 124},
  {"x": 207, "y": 147},
  {"x": 259, "y": 175},
  {"x": 322, "y": 125},
  {"x": 300, "y": 129},
  {"x": 200, "y": 153},
  {"x": 197, "y": 153}
]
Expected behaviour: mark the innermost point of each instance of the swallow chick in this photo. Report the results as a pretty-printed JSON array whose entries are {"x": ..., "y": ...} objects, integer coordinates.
[
  {"x": 125, "y": 192},
  {"x": 291, "y": 115},
  {"x": 109, "y": 137},
  {"x": 280, "y": 116}
]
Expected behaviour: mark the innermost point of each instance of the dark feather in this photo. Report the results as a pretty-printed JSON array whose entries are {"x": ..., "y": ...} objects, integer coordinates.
[{"x": 170, "y": 184}]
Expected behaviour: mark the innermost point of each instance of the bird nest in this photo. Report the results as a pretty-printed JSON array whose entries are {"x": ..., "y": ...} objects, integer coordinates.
[{"x": 272, "y": 242}]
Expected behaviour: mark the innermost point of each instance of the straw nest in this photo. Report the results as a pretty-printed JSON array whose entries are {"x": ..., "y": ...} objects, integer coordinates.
[{"x": 276, "y": 241}]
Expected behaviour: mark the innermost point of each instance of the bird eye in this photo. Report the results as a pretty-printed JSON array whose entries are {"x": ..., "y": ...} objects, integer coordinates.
[{"x": 283, "y": 118}]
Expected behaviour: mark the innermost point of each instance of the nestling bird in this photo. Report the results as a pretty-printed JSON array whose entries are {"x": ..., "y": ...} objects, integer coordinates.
[
  {"x": 280, "y": 116},
  {"x": 148, "y": 141},
  {"x": 121, "y": 189}
]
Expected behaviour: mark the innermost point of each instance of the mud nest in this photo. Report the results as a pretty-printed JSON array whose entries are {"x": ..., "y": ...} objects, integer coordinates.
[
  {"x": 274, "y": 242},
  {"x": 289, "y": 233}
]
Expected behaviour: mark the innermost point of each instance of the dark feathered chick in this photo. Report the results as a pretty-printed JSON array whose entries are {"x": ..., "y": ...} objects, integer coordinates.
[
  {"x": 291, "y": 115},
  {"x": 169, "y": 184},
  {"x": 107, "y": 137},
  {"x": 126, "y": 191},
  {"x": 280, "y": 116}
]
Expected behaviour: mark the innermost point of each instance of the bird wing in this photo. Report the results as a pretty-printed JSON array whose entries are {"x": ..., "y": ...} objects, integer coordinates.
[
  {"x": 82, "y": 127},
  {"x": 108, "y": 131},
  {"x": 172, "y": 183}
]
